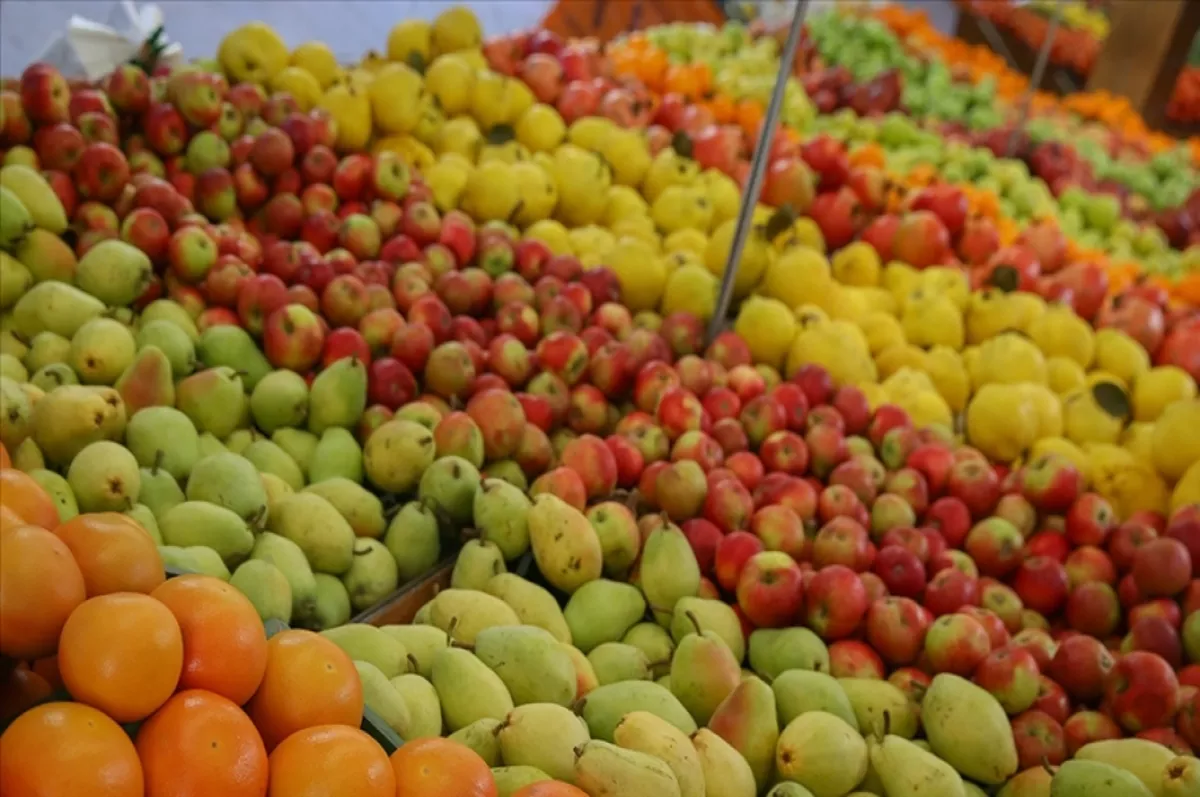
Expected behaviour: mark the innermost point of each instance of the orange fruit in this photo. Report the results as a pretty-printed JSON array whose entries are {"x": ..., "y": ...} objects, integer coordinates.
[
  {"x": 224, "y": 642},
  {"x": 9, "y": 519},
  {"x": 114, "y": 553},
  {"x": 68, "y": 750},
  {"x": 121, "y": 653},
  {"x": 20, "y": 690},
  {"x": 331, "y": 761},
  {"x": 20, "y": 493},
  {"x": 200, "y": 744},
  {"x": 549, "y": 788},
  {"x": 309, "y": 681},
  {"x": 434, "y": 767},
  {"x": 40, "y": 585}
]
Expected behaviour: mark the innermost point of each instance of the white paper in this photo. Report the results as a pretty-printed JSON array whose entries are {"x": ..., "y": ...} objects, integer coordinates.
[{"x": 91, "y": 49}]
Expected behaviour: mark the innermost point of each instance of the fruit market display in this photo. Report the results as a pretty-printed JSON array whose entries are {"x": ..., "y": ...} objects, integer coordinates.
[{"x": 279, "y": 336}]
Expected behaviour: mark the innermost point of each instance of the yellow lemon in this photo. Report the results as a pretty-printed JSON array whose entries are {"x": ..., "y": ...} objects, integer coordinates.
[
  {"x": 857, "y": 264},
  {"x": 350, "y": 108},
  {"x": 768, "y": 327},
  {"x": 1120, "y": 355},
  {"x": 881, "y": 330},
  {"x": 641, "y": 227},
  {"x": 844, "y": 357},
  {"x": 624, "y": 203},
  {"x": 900, "y": 280},
  {"x": 690, "y": 288},
  {"x": 451, "y": 78},
  {"x": 1176, "y": 443},
  {"x": 456, "y": 28},
  {"x": 626, "y": 153},
  {"x": 395, "y": 94},
  {"x": 802, "y": 232},
  {"x": 300, "y": 83},
  {"x": 640, "y": 272},
  {"x": 1008, "y": 358},
  {"x": 681, "y": 207},
  {"x": 932, "y": 319},
  {"x": 754, "y": 262},
  {"x": 898, "y": 356},
  {"x": 540, "y": 128},
  {"x": 949, "y": 375},
  {"x": 692, "y": 241},
  {"x": 592, "y": 244},
  {"x": 447, "y": 178},
  {"x": 796, "y": 274},
  {"x": 590, "y": 132},
  {"x": 318, "y": 60},
  {"x": 1156, "y": 389},
  {"x": 538, "y": 191},
  {"x": 1187, "y": 489},
  {"x": 253, "y": 53},
  {"x": 583, "y": 180},
  {"x": 949, "y": 281},
  {"x": 1002, "y": 421},
  {"x": 1064, "y": 375},
  {"x": 1060, "y": 333},
  {"x": 460, "y": 136},
  {"x": 668, "y": 168},
  {"x": 1095, "y": 415},
  {"x": 411, "y": 42},
  {"x": 1138, "y": 439},
  {"x": 724, "y": 195},
  {"x": 492, "y": 192}
]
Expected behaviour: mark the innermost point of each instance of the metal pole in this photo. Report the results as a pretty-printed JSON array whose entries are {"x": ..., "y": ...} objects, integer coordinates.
[
  {"x": 758, "y": 168},
  {"x": 1035, "y": 80}
]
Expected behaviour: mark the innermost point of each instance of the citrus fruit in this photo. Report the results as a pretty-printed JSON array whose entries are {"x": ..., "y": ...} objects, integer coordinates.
[
  {"x": 121, "y": 653},
  {"x": 331, "y": 761},
  {"x": 24, "y": 496},
  {"x": 68, "y": 750},
  {"x": 114, "y": 553},
  {"x": 201, "y": 744},
  {"x": 224, "y": 643},
  {"x": 40, "y": 585},
  {"x": 303, "y": 663},
  {"x": 434, "y": 767}
]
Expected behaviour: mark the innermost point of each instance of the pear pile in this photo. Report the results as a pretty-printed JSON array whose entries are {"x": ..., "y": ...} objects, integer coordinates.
[{"x": 638, "y": 687}]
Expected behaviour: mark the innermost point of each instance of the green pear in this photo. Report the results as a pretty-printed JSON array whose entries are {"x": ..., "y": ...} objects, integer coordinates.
[
  {"x": 53, "y": 375},
  {"x": 372, "y": 575},
  {"x": 359, "y": 506},
  {"x": 270, "y": 458},
  {"x": 172, "y": 341},
  {"x": 165, "y": 438},
  {"x": 775, "y": 650},
  {"x": 693, "y": 615},
  {"x": 605, "y": 706},
  {"x": 287, "y": 556},
  {"x": 101, "y": 350},
  {"x": 202, "y": 523},
  {"x": 232, "y": 347},
  {"x": 1079, "y": 778},
  {"x": 312, "y": 523},
  {"x": 463, "y": 613},
  {"x": 480, "y": 735},
  {"x": 229, "y": 480},
  {"x": 726, "y": 773},
  {"x": 1032, "y": 782},
  {"x": 28, "y": 457},
  {"x": 208, "y": 562},
  {"x": 747, "y": 720},
  {"x": 668, "y": 571},
  {"x": 13, "y": 368},
  {"x": 141, "y": 514},
  {"x": 104, "y": 477},
  {"x": 703, "y": 673},
  {"x": 381, "y": 697},
  {"x": 240, "y": 439},
  {"x": 603, "y": 611},
  {"x": 396, "y": 455},
  {"x": 1181, "y": 777},
  {"x": 172, "y": 312},
  {"x": 510, "y": 780},
  {"x": 414, "y": 540},
  {"x": 54, "y": 307},
  {"x": 649, "y": 734},
  {"x": 147, "y": 381},
  {"x": 477, "y": 562},
  {"x": 533, "y": 604},
  {"x": 420, "y": 412},
  {"x": 881, "y": 707},
  {"x": 338, "y": 395},
  {"x": 279, "y": 400},
  {"x": 789, "y": 789},
  {"x": 48, "y": 257},
  {"x": 905, "y": 769},
  {"x": 968, "y": 728},
  {"x": 530, "y": 661},
  {"x": 501, "y": 513},
  {"x": 565, "y": 545},
  {"x": 299, "y": 444},
  {"x": 208, "y": 444},
  {"x": 114, "y": 272},
  {"x": 424, "y": 708},
  {"x": 421, "y": 642},
  {"x": 46, "y": 348},
  {"x": 266, "y": 588},
  {"x": 800, "y": 691},
  {"x": 337, "y": 455},
  {"x": 178, "y": 559},
  {"x": 542, "y": 735},
  {"x": 507, "y": 470},
  {"x": 620, "y": 539},
  {"x": 363, "y": 642},
  {"x": 16, "y": 414},
  {"x": 653, "y": 640},
  {"x": 59, "y": 491},
  {"x": 10, "y": 343},
  {"x": 615, "y": 661},
  {"x": 160, "y": 491},
  {"x": 1142, "y": 757},
  {"x": 448, "y": 488},
  {"x": 214, "y": 399},
  {"x": 332, "y": 603},
  {"x": 15, "y": 279},
  {"x": 73, "y": 416},
  {"x": 469, "y": 691},
  {"x": 822, "y": 753},
  {"x": 605, "y": 769}
]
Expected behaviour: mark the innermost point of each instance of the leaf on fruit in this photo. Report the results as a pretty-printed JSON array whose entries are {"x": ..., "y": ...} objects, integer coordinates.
[
  {"x": 1005, "y": 278},
  {"x": 501, "y": 134},
  {"x": 681, "y": 142},
  {"x": 1112, "y": 398},
  {"x": 780, "y": 222},
  {"x": 416, "y": 61}
]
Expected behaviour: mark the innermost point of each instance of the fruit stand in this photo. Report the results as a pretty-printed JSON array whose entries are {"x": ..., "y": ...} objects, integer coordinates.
[{"x": 793, "y": 407}]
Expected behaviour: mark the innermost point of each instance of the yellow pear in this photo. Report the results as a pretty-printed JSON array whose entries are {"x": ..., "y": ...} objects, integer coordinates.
[
  {"x": 350, "y": 108},
  {"x": 395, "y": 95},
  {"x": 451, "y": 78},
  {"x": 456, "y": 28},
  {"x": 252, "y": 53},
  {"x": 300, "y": 83},
  {"x": 318, "y": 60},
  {"x": 411, "y": 42}
]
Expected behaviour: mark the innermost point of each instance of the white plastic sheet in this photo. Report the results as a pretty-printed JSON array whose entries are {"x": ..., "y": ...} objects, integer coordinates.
[{"x": 91, "y": 49}]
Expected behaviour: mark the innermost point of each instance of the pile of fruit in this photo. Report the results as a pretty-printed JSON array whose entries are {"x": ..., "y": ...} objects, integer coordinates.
[{"x": 922, "y": 519}]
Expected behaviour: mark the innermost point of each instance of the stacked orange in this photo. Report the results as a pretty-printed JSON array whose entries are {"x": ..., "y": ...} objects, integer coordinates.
[{"x": 220, "y": 709}]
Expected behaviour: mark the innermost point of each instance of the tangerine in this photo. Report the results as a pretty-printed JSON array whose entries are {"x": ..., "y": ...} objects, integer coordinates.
[
  {"x": 122, "y": 653},
  {"x": 309, "y": 681},
  {"x": 114, "y": 553},
  {"x": 224, "y": 642},
  {"x": 40, "y": 585},
  {"x": 200, "y": 744},
  {"x": 20, "y": 493},
  {"x": 332, "y": 761},
  {"x": 68, "y": 750},
  {"x": 435, "y": 767},
  {"x": 9, "y": 519}
]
